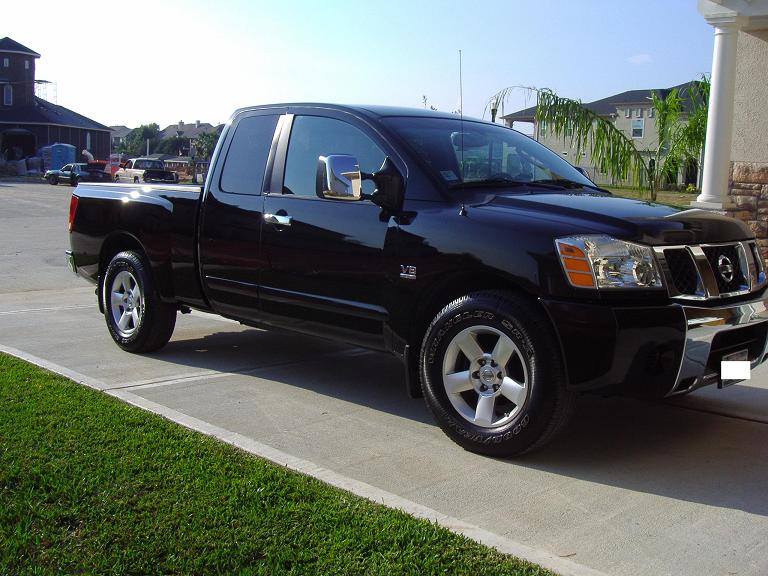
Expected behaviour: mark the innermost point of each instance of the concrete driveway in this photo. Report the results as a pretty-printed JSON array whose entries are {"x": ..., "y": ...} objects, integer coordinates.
[{"x": 631, "y": 488}]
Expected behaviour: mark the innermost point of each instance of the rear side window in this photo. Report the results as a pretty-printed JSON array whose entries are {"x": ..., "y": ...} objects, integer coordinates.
[{"x": 246, "y": 160}]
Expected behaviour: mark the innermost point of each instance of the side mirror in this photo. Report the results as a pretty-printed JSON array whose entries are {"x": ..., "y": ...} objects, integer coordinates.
[{"x": 339, "y": 178}]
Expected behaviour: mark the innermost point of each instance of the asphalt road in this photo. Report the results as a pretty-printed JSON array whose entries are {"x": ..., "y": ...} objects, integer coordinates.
[{"x": 631, "y": 488}]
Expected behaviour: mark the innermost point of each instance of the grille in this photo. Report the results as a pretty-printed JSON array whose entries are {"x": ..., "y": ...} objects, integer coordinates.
[
  {"x": 702, "y": 272},
  {"x": 683, "y": 269},
  {"x": 717, "y": 254}
]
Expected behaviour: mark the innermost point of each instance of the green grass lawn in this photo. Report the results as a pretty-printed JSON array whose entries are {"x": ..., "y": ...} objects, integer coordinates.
[
  {"x": 676, "y": 199},
  {"x": 89, "y": 485}
]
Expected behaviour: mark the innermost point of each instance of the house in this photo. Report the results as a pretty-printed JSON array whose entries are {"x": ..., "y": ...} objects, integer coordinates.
[
  {"x": 186, "y": 133},
  {"x": 27, "y": 122},
  {"x": 735, "y": 178},
  {"x": 631, "y": 112},
  {"x": 119, "y": 134}
]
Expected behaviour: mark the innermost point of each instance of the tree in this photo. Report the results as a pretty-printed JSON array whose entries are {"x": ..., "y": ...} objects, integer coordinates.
[
  {"x": 135, "y": 143},
  {"x": 611, "y": 150},
  {"x": 205, "y": 144}
]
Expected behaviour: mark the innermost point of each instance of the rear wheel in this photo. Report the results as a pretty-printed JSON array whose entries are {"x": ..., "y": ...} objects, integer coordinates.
[
  {"x": 137, "y": 319},
  {"x": 492, "y": 375}
]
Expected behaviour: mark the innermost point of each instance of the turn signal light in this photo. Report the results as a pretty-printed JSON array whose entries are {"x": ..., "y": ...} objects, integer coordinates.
[{"x": 576, "y": 265}]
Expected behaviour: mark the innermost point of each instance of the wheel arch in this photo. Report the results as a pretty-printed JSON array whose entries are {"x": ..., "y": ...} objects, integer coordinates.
[
  {"x": 159, "y": 269},
  {"x": 439, "y": 294}
]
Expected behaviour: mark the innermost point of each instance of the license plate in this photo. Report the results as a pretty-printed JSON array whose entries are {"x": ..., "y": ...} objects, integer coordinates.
[{"x": 738, "y": 356}]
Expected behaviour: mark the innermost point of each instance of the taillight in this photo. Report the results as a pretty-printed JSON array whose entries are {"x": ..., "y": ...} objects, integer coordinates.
[{"x": 72, "y": 210}]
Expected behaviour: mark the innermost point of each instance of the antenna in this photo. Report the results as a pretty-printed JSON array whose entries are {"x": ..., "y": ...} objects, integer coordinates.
[{"x": 463, "y": 209}]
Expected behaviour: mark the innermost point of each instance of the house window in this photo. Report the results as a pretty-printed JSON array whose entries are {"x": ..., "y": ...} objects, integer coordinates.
[
  {"x": 6, "y": 62},
  {"x": 627, "y": 112},
  {"x": 7, "y": 95},
  {"x": 26, "y": 64},
  {"x": 88, "y": 141},
  {"x": 651, "y": 113},
  {"x": 639, "y": 113},
  {"x": 638, "y": 127}
]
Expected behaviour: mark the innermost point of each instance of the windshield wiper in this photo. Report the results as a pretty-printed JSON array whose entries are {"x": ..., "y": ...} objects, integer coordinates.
[
  {"x": 506, "y": 182},
  {"x": 565, "y": 183}
]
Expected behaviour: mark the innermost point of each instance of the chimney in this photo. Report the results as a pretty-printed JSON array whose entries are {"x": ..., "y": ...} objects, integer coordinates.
[
  {"x": 197, "y": 123},
  {"x": 181, "y": 125}
]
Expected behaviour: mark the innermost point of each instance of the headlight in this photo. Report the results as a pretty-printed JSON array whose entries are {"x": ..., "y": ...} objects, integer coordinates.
[{"x": 604, "y": 262}]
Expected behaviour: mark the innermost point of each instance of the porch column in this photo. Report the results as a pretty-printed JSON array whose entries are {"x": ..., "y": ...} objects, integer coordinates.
[{"x": 717, "y": 151}]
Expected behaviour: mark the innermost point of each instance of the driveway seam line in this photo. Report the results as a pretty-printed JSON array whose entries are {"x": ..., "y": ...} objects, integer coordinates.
[{"x": 549, "y": 560}]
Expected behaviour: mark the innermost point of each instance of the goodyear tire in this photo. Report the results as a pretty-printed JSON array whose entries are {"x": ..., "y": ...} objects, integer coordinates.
[
  {"x": 137, "y": 319},
  {"x": 492, "y": 374}
]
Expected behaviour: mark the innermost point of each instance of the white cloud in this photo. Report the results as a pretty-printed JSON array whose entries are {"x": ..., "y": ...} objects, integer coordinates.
[{"x": 640, "y": 59}]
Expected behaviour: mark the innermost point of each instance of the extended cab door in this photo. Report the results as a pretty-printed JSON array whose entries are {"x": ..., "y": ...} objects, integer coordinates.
[
  {"x": 231, "y": 215},
  {"x": 324, "y": 264}
]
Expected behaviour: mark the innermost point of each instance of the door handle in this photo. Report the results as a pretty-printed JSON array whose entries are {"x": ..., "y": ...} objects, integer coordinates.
[{"x": 277, "y": 219}]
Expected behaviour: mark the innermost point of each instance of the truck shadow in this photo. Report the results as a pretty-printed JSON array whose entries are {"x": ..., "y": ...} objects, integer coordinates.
[{"x": 650, "y": 447}]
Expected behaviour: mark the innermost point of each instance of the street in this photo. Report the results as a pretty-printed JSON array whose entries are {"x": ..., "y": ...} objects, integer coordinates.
[{"x": 631, "y": 488}]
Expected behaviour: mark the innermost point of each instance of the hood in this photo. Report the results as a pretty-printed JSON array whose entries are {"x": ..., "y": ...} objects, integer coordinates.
[{"x": 624, "y": 218}]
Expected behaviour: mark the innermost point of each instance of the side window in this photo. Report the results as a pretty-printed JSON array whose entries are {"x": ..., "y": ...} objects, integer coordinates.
[
  {"x": 315, "y": 136},
  {"x": 247, "y": 155}
]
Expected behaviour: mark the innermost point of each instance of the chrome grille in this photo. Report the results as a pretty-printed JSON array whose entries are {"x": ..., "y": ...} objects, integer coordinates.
[{"x": 710, "y": 271}]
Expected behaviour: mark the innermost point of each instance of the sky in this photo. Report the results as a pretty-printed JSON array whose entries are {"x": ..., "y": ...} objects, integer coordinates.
[{"x": 133, "y": 63}]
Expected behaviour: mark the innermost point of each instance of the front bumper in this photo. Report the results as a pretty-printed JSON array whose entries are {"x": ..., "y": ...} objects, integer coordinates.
[{"x": 656, "y": 351}]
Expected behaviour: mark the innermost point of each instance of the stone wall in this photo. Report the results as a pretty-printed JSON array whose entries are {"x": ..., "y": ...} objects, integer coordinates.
[{"x": 748, "y": 199}]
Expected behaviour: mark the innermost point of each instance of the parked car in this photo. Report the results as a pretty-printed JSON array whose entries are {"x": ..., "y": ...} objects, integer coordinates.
[
  {"x": 505, "y": 280},
  {"x": 78, "y": 172},
  {"x": 145, "y": 170}
]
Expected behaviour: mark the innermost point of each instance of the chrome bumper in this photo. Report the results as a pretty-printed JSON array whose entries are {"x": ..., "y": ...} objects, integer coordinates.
[{"x": 703, "y": 327}]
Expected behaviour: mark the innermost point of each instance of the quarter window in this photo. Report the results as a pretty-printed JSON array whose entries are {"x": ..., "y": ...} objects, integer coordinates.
[
  {"x": 638, "y": 127},
  {"x": 247, "y": 156},
  {"x": 315, "y": 136}
]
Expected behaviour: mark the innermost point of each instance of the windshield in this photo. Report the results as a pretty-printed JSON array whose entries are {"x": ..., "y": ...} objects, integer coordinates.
[{"x": 463, "y": 152}]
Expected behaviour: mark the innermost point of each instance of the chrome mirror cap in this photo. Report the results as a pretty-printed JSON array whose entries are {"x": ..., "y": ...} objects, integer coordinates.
[{"x": 339, "y": 177}]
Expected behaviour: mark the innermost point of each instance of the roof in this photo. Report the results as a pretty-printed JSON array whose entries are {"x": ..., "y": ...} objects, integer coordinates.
[
  {"x": 191, "y": 130},
  {"x": 375, "y": 111},
  {"x": 44, "y": 112},
  {"x": 606, "y": 106},
  {"x": 119, "y": 131},
  {"x": 9, "y": 45}
]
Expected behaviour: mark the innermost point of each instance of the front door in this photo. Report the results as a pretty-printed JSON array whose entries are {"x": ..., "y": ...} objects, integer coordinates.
[{"x": 324, "y": 259}]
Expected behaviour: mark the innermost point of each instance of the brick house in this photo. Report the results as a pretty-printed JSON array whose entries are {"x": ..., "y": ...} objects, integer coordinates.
[
  {"x": 736, "y": 155},
  {"x": 27, "y": 122}
]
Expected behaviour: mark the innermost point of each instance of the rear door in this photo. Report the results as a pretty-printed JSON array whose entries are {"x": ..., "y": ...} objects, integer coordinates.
[
  {"x": 324, "y": 263},
  {"x": 229, "y": 231}
]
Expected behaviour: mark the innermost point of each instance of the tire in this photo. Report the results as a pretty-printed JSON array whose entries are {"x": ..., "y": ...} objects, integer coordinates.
[
  {"x": 136, "y": 180},
  {"x": 53, "y": 180},
  {"x": 117, "y": 178},
  {"x": 493, "y": 376},
  {"x": 73, "y": 181},
  {"x": 136, "y": 318}
]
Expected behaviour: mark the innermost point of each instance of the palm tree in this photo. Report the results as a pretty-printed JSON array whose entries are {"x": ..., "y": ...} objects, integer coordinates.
[{"x": 611, "y": 150}]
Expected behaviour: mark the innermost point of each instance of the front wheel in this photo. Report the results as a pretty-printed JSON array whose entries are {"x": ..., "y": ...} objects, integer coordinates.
[
  {"x": 137, "y": 319},
  {"x": 53, "y": 180},
  {"x": 493, "y": 376}
]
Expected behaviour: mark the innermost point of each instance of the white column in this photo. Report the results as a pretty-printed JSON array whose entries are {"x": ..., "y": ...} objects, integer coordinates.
[{"x": 717, "y": 151}]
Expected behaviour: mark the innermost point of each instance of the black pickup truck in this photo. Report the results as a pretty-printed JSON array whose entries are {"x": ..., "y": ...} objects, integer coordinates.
[{"x": 505, "y": 280}]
